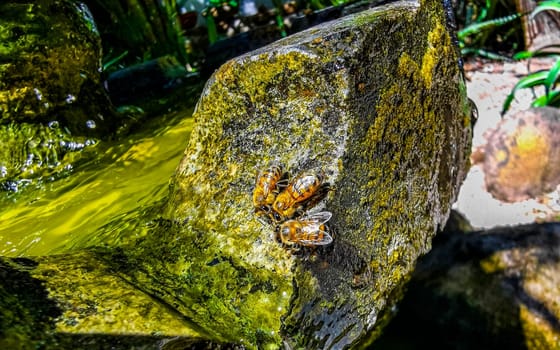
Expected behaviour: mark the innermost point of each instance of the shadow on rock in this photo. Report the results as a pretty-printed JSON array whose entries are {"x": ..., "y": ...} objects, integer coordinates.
[{"x": 483, "y": 290}]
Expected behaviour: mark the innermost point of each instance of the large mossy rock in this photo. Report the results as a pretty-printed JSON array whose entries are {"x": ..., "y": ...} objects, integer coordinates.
[{"x": 375, "y": 101}]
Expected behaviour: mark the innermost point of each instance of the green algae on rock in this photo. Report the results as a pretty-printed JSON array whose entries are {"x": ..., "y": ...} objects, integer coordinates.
[
  {"x": 75, "y": 301},
  {"x": 51, "y": 97},
  {"x": 375, "y": 101},
  {"x": 51, "y": 56}
]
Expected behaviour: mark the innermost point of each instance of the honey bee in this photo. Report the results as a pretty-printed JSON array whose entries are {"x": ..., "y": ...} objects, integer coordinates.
[
  {"x": 267, "y": 185},
  {"x": 306, "y": 231},
  {"x": 302, "y": 192}
]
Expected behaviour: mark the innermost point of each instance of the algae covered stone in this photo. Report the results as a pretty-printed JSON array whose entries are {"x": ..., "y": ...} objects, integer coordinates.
[
  {"x": 52, "y": 103},
  {"x": 78, "y": 302},
  {"x": 374, "y": 101},
  {"x": 51, "y": 62}
]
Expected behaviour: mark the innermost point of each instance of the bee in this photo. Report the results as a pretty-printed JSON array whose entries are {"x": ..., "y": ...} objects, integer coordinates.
[
  {"x": 307, "y": 231},
  {"x": 303, "y": 192},
  {"x": 267, "y": 186}
]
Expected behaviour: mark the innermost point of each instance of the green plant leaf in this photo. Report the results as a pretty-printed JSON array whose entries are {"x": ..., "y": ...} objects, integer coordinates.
[
  {"x": 541, "y": 101},
  {"x": 481, "y": 26},
  {"x": 552, "y": 77},
  {"x": 552, "y": 100},
  {"x": 531, "y": 80},
  {"x": 552, "y": 5},
  {"x": 523, "y": 55},
  {"x": 552, "y": 50},
  {"x": 113, "y": 60}
]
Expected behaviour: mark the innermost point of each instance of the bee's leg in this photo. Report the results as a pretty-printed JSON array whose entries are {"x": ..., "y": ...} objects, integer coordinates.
[
  {"x": 301, "y": 211},
  {"x": 263, "y": 220},
  {"x": 277, "y": 235},
  {"x": 294, "y": 249},
  {"x": 263, "y": 215},
  {"x": 311, "y": 254},
  {"x": 276, "y": 217}
]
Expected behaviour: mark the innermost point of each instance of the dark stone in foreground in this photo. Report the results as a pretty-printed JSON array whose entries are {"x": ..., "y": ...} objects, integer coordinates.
[{"x": 483, "y": 290}]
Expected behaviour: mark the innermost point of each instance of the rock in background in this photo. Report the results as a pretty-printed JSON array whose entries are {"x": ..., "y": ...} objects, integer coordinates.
[
  {"x": 52, "y": 103},
  {"x": 488, "y": 85},
  {"x": 521, "y": 158}
]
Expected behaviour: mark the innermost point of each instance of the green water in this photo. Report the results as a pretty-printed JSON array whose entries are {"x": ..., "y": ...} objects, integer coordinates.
[{"x": 101, "y": 201}]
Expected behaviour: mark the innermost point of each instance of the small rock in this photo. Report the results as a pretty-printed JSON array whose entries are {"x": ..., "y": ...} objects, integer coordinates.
[{"x": 521, "y": 158}]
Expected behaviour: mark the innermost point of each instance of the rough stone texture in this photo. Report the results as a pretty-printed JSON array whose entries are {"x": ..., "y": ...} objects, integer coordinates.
[
  {"x": 484, "y": 290},
  {"x": 375, "y": 101},
  {"x": 78, "y": 302},
  {"x": 521, "y": 158}
]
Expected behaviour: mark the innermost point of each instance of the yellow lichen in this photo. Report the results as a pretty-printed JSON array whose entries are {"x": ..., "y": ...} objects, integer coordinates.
[
  {"x": 492, "y": 264},
  {"x": 437, "y": 46},
  {"x": 539, "y": 333}
]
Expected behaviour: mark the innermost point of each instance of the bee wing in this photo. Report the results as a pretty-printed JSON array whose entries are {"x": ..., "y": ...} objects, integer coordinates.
[
  {"x": 317, "y": 218},
  {"x": 321, "y": 238}
]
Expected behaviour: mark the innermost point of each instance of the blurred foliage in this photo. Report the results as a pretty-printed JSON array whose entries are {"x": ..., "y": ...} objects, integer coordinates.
[
  {"x": 134, "y": 31},
  {"x": 548, "y": 78},
  {"x": 488, "y": 28}
]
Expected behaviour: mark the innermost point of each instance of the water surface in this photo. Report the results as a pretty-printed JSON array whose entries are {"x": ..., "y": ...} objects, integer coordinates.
[{"x": 100, "y": 201}]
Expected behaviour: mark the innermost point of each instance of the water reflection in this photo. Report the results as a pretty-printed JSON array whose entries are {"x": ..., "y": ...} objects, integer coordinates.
[{"x": 101, "y": 200}]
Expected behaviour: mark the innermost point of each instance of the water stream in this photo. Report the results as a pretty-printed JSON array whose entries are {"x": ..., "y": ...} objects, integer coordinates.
[{"x": 101, "y": 201}]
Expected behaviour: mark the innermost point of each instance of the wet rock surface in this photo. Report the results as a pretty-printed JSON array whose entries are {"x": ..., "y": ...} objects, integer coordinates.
[
  {"x": 385, "y": 119},
  {"x": 52, "y": 103},
  {"x": 78, "y": 302},
  {"x": 45, "y": 75},
  {"x": 490, "y": 289}
]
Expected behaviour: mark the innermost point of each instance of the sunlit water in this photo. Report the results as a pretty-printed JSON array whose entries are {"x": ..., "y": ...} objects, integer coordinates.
[{"x": 100, "y": 200}]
